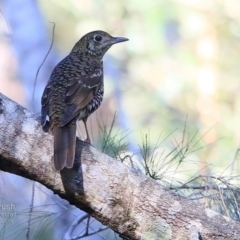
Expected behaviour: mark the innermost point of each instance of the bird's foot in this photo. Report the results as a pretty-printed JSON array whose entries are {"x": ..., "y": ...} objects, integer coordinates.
[{"x": 87, "y": 140}]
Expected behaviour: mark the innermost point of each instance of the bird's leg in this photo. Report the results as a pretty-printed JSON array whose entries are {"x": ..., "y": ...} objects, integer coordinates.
[{"x": 85, "y": 125}]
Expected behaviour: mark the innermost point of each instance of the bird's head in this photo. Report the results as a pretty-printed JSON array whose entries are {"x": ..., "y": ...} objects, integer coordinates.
[{"x": 96, "y": 43}]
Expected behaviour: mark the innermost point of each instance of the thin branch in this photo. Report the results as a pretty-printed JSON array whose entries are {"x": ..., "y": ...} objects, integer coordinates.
[
  {"x": 30, "y": 211},
  {"x": 39, "y": 68}
]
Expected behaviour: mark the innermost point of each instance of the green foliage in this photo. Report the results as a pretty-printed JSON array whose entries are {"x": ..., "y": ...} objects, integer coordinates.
[
  {"x": 168, "y": 167},
  {"x": 217, "y": 192},
  {"x": 111, "y": 141}
]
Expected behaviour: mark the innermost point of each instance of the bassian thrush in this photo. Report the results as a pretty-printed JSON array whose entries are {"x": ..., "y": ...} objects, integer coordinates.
[{"x": 74, "y": 91}]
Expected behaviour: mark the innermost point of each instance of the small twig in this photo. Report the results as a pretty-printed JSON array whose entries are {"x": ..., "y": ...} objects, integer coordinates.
[
  {"x": 234, "y": 160},
  {"x": 30, "y": 211},
  {"x": 87, "y": 227},
  {"x": 223, "y": 202},
  {"x": 68, "y": 234},
  {"x": 35, "y": 80}
]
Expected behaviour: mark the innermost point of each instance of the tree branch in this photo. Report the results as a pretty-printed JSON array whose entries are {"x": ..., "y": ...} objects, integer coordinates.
[{"x": 129, "y": 202}]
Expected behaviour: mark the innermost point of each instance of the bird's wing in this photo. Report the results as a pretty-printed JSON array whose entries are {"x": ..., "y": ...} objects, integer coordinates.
[
  {"x": 79, "y": 92},
  {"x": 45, "y": 107}
]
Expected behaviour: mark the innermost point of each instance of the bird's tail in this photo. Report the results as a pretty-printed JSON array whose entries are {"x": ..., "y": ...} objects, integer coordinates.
[{"x": 64, "y": 146}]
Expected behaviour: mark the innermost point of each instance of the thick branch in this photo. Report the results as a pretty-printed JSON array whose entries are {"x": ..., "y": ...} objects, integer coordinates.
[{"x": 122, "y": 198}]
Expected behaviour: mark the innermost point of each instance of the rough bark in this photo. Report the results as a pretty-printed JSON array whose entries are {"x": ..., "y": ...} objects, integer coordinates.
[{"x": 124, "y": 199}]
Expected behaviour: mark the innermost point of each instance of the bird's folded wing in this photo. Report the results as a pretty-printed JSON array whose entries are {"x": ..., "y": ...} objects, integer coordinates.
[
  {"x": 44, "y": 102},
  {"x": 79, "y": 92}
]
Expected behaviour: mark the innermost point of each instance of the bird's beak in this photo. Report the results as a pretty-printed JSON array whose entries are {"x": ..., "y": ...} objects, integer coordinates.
[
  {"x": 115, "y": 40},
  {"x": 119, "y": 39}
]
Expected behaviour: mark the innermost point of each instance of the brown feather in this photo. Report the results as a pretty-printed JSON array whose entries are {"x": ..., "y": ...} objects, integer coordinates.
[
  {"x": 64, "y": 146},
  {"x": 71, "y": 146}
]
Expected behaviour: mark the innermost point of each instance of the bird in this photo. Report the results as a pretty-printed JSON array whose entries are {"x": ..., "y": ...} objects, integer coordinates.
[{"x": 73, "y": 92}]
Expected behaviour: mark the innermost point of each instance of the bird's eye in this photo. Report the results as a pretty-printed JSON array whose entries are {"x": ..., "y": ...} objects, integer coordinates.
[{"x": 97, "y": 38}]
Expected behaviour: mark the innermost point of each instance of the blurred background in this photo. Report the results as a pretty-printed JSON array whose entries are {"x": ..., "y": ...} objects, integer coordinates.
[{"x": 177, "y": 78}]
